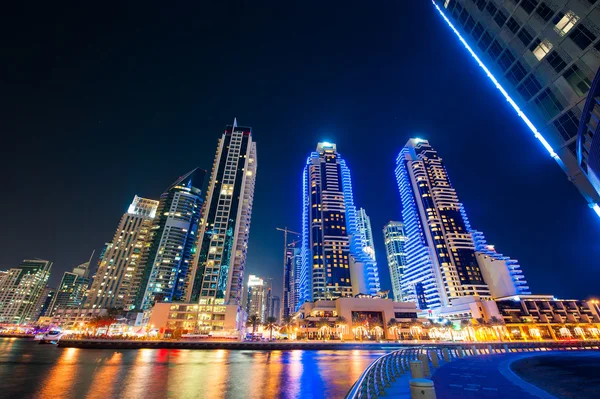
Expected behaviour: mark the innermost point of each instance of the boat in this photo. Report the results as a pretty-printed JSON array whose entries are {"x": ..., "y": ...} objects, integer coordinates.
[{"x": 51, "y": 337}]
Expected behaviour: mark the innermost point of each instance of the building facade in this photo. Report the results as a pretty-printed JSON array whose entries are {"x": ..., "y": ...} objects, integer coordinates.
[
  {"x": 544, "y": 57},
  {"x": 72, "y": 290},
  {"x": 275, "y": 308},
  {"x": 220, "y": 261},
  {"x": 166, "y": 260},
  {"x": 395, "y": 249},
  {"x": 293, "y": 260},
  {"x": 256, "y": 300},
  {"x": 440, "y": 251},
  {"x": 111, "y": 284},
  {"x": 21, "y": 289},
  {"x": 363, "y": 225},
  {"x": 359, "y": 318},
  {"x": 334, "y": 261}
]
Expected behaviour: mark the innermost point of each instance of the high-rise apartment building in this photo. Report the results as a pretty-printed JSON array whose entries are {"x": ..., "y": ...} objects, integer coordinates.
[
  {"x": 223, "y": 237},
  {"x": 72, "y": 290},
  {"x": 445, "y": 259},
  {"x": 293, "y": 260},
  {"x": 43, "y": 303},
  {"x": 256, "y": 300},
  {"x": 364, "y": 245},
  {"x": 167, "y": 257},
  {"x": 334, "y": 262},
  {"x": 440, "y": 251},
  {"x": 395, "y": 249},
  {"x": 118, "y": 261},
  {"x": 544, "y": 57},
  {"x": 21, "y": 289}
]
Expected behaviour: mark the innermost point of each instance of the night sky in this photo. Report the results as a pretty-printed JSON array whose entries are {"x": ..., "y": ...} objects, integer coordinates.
[{"x": 101, "y": 104}]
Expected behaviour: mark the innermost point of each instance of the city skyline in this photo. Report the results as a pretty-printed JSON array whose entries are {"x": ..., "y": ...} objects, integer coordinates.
[{"x": 506, "y": 156}]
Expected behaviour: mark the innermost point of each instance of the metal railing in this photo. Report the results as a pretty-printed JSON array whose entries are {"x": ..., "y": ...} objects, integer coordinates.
[{"x": 385, "y": 370}]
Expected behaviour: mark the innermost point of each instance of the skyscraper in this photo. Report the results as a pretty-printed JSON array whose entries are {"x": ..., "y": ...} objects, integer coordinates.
[
  {"x": 440, "y": 251},
  {"x": 20, "y": 290},
  {"x": 544, "y": 57},
  {"x": 334, "y": 262},
  {"x": 290, "y": 281},
  {"x": 395, "y": 249},
  {"x": 445, "y": 258},
  {"x": 72, "y": 290},
  {"x": 218, "y": 272},
  {"x": 119, "y": 259},
  {"x": 171, "y": 243},
  {"x": 256, "y": 300}
]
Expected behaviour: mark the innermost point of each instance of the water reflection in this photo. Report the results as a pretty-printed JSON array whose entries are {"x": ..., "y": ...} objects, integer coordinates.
[{"x": 51, "y": 372}]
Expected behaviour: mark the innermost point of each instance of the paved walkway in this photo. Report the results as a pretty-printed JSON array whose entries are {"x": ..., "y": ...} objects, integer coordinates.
[{"x": 481, "y": 377}]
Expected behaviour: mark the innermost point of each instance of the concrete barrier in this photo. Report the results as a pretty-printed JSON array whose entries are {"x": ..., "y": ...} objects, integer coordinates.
[
  {"x": 446, "y": 354},
  {"x": 425, "y": 360},
  {"x": 421, "y": 388},
  {"x": 416, "y": 369},
  {"x": 435, "y": 360}
]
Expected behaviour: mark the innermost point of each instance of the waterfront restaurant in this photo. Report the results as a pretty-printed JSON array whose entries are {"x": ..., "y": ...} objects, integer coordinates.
[{"x": 360, "y": 318}]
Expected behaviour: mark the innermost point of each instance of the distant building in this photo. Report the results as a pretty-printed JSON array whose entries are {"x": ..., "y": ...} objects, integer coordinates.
[
  {"x": 544, "y": 55},
  {"x": 167, "y": 258},
  {"x": 275, "y": 308},
  {"x": 21, "y": 289},
  {"x": 220, "y": 262},
  {"x": 395, "y": 248},
  {"x": 293, "y": 261},
  {"x": 72, "y": 290},
  {"x": 334, "y": 260},
  {"x": 43, "y": 303},
  {"x": 119, "y": 259},
  {"x": 256, "y": 300}
]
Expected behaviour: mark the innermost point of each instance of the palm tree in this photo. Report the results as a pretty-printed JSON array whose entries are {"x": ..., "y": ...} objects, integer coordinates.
[
  {"x": 393, "y": 325},
  {"x": 340, "y": 321},
  {"x": 466, "y": 325},
  {"x": 415, "y": 327},
  {"x": 322, "y": 324},
  {"x": 270, "y": 325},
  {"x": 287, "y": 322},
  {"x": 497, "y": 324},
  {"x": 482, "y": 325},
  {"x": 253, "y": 321}
]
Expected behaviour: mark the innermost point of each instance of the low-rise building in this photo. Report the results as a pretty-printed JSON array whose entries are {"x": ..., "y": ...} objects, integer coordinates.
[
  {"x": 69, "y": 319},
  {"x": 172, "y": 318},
  {"x": 363, "y": 318}
]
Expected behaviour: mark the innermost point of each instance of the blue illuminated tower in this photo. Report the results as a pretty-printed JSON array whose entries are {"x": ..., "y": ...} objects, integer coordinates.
[
  {"x": 544, "y": 58},
  {"x": 440, "y": 252},
  {"x": 446, "y": 259},
  {"x": 334, "y": 262}
]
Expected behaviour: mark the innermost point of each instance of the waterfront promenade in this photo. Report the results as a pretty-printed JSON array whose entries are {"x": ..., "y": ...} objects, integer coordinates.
[{"x": 566, "y": 371}]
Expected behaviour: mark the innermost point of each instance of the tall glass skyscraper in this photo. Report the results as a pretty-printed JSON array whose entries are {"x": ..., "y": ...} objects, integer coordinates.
[
  {"x": 223, "y": 237},
  {"x": 111, "y": 286},
  {"x": 334, "y": 262},
  {"x": 445, "y": 258},
  {"x": 171, "y": 243},
  {"x": 290, "y": 281},
  {"x": 395, "y": 248},
  {"x": 544, "y": 58}
]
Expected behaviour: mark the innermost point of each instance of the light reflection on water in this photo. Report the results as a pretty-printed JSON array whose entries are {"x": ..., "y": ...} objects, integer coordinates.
[{"x": 43, "y": 371}]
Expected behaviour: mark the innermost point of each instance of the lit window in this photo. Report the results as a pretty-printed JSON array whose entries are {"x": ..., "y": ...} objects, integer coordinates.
[
  {"x": 565, "y": 23},
  {"x": 446, "y": 3},
  {"x": 541, "y": 49}
]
